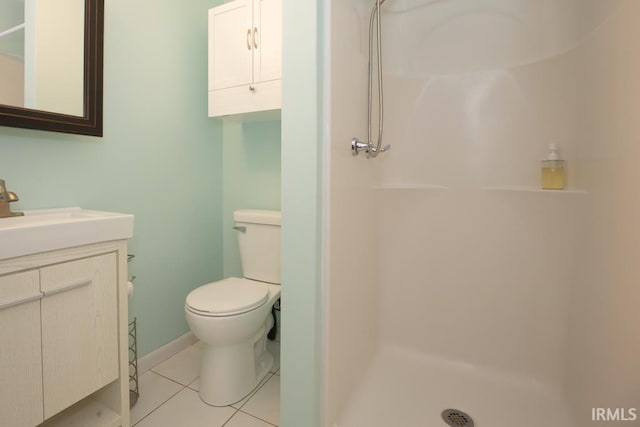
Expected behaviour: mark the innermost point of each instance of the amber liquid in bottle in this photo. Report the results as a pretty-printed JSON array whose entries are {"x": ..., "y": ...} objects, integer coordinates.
[{"x": 553, "y": 174}]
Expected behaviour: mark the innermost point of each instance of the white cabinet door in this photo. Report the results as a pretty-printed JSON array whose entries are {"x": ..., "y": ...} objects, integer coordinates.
[
  {"x": 230, "y": 45},
  {"x": 20, "y": 352},
  {"x": 267, "y": 26},
  {"x": 79, "y": 329}
]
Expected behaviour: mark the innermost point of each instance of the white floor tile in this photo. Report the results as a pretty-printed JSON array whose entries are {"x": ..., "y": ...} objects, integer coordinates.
[
  {"x": 195, "y": 385},
  {"x": 154, "y": 391},
  {"x": 183, "y": 367},
  {"x": 243, "y": 420},
  {"x": 265, "y": 404},
  {"x": 274, "y": 349},
  {"x": 187, "y": 410},
  {"x": 243, "y": 401}
]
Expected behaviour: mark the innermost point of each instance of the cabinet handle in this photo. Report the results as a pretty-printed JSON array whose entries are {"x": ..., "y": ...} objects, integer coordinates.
[
  {"x": 22, "y": 300},
  {"x": 255, "y": 37},
  {"x": 70, "y": 286},
  {"x": 249, "y": 39},
  {"x": 252, "y": 88}
]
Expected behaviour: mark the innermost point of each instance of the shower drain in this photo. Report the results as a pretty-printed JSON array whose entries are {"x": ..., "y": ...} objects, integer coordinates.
[{"x": 457, "y": 418}]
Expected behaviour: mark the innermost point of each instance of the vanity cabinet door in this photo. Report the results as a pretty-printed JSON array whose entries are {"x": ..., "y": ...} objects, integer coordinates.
[
  {"x": 79, "y": 329},
  {"x": 20, "y": 352}
]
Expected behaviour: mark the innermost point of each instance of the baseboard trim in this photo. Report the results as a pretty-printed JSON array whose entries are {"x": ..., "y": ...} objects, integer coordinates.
[{"x": 161, "y": 354}]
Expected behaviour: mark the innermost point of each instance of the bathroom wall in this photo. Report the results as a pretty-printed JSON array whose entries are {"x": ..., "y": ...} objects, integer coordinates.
[
  {"x": 54, "y": 59},
  {"x": 160, "y": 158},
  {"x": 351, "y": 325},
  {"x": 477, "y": 260},
  {"x": 604, "y": 351},
  {"x": 12, "y": 54},
  {"x": 477, "y": 266},
  {"x": 251, "y": 177},
  {"x": 12, "y": 14},
  {"x": 11, "y": 80},
  {"x": 302, "y": 145}
]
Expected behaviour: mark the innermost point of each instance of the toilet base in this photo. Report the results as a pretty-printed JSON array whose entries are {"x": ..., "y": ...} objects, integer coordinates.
[
  {"x": 235, "y": 357},
  {"x": 231, "y": 373}
]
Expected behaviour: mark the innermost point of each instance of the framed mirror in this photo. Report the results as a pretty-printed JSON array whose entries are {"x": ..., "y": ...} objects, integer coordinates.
[{"x": 51, "y": 59}]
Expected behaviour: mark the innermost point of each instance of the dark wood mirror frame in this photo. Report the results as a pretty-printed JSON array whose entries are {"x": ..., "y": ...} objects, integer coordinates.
[{"x": 91, "y": 122}]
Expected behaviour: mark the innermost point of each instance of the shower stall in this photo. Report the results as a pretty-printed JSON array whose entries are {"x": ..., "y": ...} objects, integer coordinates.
[{"x": 452, "y": 281}]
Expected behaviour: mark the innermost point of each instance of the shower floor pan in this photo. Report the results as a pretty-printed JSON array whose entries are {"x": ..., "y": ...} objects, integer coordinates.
[{"x": 405, "y": 388}]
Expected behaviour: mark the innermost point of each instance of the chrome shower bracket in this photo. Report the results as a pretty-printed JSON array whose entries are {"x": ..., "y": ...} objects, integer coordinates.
[
  {"x": 357, "y": 145},
  {"x": 368, "y": 147}
]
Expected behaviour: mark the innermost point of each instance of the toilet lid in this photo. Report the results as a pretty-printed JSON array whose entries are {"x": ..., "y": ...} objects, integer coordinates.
[{"x": 228, "y": 297}]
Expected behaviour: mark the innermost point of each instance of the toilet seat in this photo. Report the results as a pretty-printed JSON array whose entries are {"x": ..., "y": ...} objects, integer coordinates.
[{"x": 227, "y": 297}]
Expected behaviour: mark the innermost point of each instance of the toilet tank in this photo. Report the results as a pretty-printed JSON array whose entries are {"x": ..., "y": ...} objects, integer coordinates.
[{"x": 258, "y": 234}]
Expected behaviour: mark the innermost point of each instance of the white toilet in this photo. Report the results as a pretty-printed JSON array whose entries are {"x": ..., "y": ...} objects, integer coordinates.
[{"x": 233, "y": 316}]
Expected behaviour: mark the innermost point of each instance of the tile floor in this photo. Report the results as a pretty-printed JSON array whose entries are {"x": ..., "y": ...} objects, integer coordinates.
[{"x": 169, "y": 396}]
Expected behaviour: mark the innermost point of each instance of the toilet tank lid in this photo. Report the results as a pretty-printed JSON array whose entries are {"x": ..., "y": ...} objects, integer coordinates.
[{"x": 258, "y": 216}]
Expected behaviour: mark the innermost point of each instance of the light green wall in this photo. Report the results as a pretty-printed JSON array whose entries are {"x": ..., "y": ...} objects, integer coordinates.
[
  {"x": 160, "y": 158},
  {"x": 251, "y": 178},
  {"x": 301, "y": 377},
  {"x": 11, "y": 14}
]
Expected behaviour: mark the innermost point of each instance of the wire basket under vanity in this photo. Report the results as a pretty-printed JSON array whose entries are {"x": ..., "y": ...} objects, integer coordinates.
[{"x": 134, "y": 391}]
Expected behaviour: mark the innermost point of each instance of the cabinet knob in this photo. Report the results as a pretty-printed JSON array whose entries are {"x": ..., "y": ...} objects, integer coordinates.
[{"x": 252, "y": 88}]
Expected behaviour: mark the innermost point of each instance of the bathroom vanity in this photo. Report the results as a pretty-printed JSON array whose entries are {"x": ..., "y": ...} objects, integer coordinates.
[{"x": 63, "y": 319}]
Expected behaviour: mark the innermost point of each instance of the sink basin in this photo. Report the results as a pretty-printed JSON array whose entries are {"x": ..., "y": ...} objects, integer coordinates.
[{"x": 51, "y": 229}]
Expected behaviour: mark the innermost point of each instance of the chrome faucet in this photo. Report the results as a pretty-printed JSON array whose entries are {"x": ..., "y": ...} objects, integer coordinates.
[{"x": 7, "y": 197}]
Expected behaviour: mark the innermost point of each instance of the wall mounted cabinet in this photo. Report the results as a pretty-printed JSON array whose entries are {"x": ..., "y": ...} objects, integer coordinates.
[{"x": 245, "y": 55}]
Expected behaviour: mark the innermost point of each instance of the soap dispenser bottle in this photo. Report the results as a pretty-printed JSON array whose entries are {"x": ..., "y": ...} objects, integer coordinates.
[{"x": 553, "y": 170}]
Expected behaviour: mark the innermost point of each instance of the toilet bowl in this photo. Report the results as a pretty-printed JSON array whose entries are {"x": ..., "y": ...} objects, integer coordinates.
[{"x": 233, "y": 316}]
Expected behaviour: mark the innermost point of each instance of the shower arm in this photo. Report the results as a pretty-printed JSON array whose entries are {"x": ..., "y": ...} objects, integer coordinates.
[{"x": 370, "y": 148}]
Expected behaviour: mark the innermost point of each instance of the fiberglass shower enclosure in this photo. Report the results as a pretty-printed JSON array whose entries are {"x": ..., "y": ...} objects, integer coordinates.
[{"x": 452, "y": 280}]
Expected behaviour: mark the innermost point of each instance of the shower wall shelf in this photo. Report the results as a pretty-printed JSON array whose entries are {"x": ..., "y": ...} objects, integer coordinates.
[
  {"x": 512, "y": 188},
  {"x": 573, "y": 191},
  {"x": 409, "y": 187}
]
